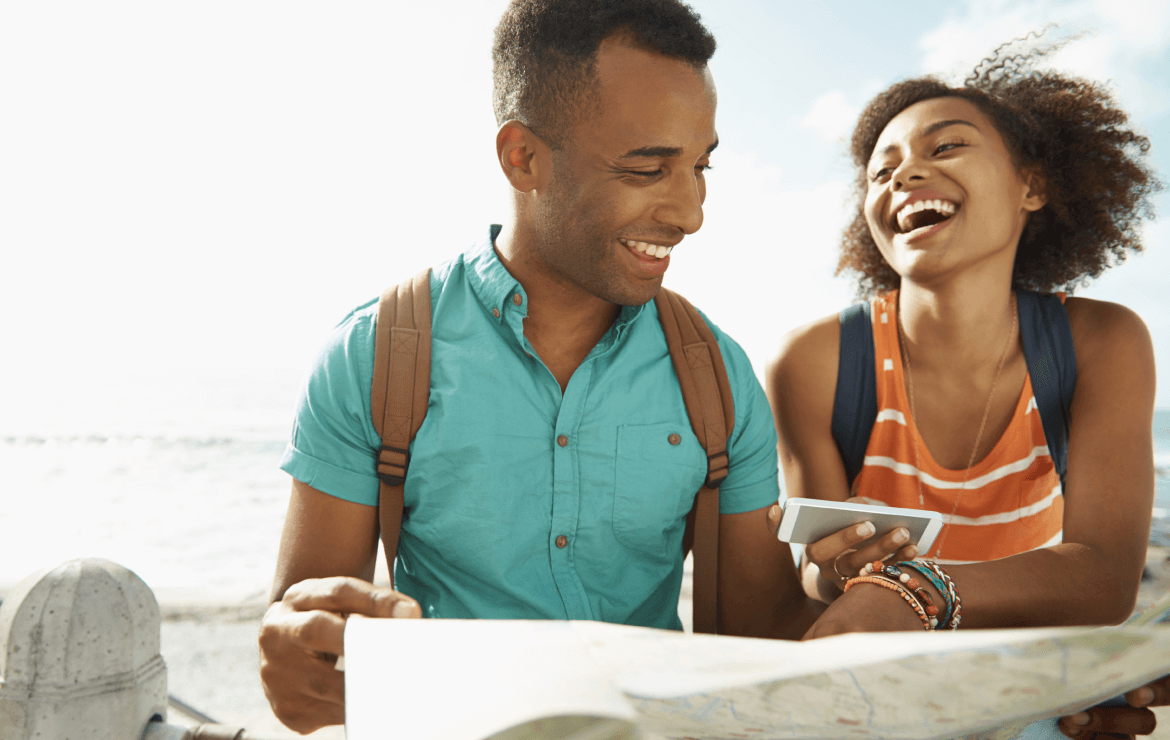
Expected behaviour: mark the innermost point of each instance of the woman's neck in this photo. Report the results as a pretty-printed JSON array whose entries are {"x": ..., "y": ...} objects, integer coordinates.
[{"x": 961, "y": 323}]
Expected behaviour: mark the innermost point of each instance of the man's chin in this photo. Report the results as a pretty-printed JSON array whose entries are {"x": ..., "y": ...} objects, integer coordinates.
[{"x": 640, "y": 294}]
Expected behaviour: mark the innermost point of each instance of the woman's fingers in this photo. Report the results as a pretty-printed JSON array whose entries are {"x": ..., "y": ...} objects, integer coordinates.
[
  {"x": 833, "y": 556},
  {"x": 838, "y": 543},
  {"x": 1120, "y": 722},
  {"x": 892, "y": 543},
  {"x": 1153, "y": 694}
]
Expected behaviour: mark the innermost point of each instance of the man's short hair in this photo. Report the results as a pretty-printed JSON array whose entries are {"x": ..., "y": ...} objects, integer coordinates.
[{"x": 545, "y": 51}]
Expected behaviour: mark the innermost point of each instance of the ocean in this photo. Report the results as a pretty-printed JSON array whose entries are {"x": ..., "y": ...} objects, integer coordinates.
[
  {"x": 1161, "y": 529},
  {"x": 176, "y": 478}
]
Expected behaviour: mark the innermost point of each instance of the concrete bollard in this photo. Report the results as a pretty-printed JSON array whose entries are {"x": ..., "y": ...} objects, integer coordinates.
[{"x": 79, "y": 655}]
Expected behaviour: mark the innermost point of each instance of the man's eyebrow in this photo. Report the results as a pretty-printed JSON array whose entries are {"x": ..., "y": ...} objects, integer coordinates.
[
  {"x": 662, "y": 152},
  {"x": 927, "y": 131}
]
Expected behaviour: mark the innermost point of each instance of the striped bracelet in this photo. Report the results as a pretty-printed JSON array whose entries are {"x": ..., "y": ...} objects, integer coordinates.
[
  {"x": 939, "y": 578},
  {"x": 894, "y": 586}
]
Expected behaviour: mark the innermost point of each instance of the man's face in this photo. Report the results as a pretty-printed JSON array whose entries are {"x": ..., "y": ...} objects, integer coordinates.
[{"x": 629, "y": 183}]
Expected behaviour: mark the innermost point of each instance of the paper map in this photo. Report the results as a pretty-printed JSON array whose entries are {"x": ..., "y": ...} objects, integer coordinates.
[{"x": 472, "y": 679}]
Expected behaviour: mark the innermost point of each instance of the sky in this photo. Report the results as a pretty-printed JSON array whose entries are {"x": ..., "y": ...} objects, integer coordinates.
[{"x": 211, "y": 186}]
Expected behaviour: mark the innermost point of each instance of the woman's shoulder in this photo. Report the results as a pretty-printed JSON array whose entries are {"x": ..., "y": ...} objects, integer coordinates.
[
  {"x": 1104, "y": 327},
  {"x": 809, "y": 346},
  {"x": 1115, "y": 355},
  {"x": 803, "y": 371}
]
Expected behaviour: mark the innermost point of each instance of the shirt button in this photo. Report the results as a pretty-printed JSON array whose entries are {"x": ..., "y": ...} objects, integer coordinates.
[
  {"x": 517, "y": 299},
  {"x": 563, "y": 441},
  {"x": 562, "y": 541},
  {"x": 496, "y": 312},
  {"x": 674, "y": 439}
]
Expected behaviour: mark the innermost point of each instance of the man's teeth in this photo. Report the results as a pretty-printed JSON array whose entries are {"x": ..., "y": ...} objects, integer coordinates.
[
  {"x": 944, "y": 207},
  {"x": 651, "y": 250}
]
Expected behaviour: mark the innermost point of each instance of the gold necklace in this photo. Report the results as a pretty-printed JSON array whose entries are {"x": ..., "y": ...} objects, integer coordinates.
[{"x": 903, "y": 346}]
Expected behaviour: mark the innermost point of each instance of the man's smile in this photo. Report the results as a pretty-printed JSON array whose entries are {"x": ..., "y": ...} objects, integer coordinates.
[{"x": 648, "y": 249}]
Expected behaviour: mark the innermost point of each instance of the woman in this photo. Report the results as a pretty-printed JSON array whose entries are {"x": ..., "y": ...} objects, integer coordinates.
[{"x": 1018, "y": 180}]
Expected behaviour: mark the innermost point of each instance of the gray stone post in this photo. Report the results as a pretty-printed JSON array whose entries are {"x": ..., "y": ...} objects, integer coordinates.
[{"x": 79, "y": 655}]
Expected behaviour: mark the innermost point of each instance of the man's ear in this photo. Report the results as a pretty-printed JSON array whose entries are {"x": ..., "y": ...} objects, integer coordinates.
[
  {"x": 1036, "y": 195},
  {"x": 523, "y": 157}
]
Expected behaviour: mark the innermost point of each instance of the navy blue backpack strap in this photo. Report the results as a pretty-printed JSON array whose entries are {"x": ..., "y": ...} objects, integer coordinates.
[
  {"x": 855, "y": 403},
  {"x": 1052, "y": 366}
]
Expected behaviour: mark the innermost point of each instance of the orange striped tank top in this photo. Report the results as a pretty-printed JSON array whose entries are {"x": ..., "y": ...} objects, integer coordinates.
[{"x": 1012, "y": 499}]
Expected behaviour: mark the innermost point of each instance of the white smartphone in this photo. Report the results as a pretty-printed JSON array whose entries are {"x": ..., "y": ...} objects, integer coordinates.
[{"x": 807, "y": 520}]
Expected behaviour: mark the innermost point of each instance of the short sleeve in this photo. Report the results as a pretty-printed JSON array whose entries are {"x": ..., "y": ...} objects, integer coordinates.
[
  {"x": 753, "y": 473},
  {"x": 334, "y": 445}
]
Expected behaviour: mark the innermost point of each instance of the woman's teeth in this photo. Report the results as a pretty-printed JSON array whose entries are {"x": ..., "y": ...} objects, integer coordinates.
[
  {"x": 650, "y": 250},
  {"x": 945, "y": 207}
]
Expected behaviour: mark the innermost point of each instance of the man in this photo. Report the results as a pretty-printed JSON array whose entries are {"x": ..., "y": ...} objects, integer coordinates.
[{"x": 556, "y": 465}]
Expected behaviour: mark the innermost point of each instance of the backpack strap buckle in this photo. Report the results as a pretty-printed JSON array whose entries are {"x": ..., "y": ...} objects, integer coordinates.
[
  {"x": 716, "y": 469},
  {"x": 392, "y": 465}
]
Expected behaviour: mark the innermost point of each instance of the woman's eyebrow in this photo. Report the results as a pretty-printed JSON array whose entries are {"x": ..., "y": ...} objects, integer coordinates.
[
  {"x": 926, "y": 131},
  {"x": 939, "y": 125}
]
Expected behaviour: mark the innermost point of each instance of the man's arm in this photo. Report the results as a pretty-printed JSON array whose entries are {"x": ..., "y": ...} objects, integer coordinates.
[
  {"x": 324, "y": 536},
  {"x": 325, "y": 563}
]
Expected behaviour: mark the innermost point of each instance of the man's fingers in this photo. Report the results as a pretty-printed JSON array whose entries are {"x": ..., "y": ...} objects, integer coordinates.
[
  {"x": 285, "y": 631},
  {"x": 1154, "y": 694},
  {"x": 311, "y": 714},
  {"x": 774, "y": 515},
  {"x": 1108, "y": 721},
  {"x": 351, "y": 596}
]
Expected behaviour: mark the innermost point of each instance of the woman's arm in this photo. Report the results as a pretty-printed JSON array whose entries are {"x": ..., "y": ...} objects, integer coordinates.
[
  {"x": 801, "y": 385},
  {"x": 1092, "y": 577}
]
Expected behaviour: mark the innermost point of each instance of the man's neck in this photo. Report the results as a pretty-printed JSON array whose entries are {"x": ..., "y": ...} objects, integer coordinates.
[{"x": 564, "y": 321}]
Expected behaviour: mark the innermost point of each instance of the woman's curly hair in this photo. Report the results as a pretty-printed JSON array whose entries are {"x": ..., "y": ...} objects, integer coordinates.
[{"x": 1098, "y": 182}]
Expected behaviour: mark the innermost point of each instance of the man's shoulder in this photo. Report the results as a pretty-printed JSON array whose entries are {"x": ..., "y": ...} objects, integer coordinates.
[{"x": 734, "y": 356}]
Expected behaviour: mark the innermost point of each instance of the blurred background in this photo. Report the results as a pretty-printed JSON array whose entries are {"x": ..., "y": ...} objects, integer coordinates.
[{"x": 194, "y": 193}]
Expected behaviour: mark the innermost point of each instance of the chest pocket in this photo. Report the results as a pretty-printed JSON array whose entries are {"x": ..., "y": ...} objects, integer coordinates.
[{"x": 657, "y": 470}]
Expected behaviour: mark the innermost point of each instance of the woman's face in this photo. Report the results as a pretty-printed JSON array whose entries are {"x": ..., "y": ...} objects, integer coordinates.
[{"x": 944, "y": 195}]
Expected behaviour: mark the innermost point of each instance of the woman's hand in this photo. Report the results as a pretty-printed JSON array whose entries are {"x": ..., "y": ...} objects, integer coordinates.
[
  {"x": 838, "y": 557},
  {"x": 1118, "y": 722},
  {"x": 866, "y": 608}
]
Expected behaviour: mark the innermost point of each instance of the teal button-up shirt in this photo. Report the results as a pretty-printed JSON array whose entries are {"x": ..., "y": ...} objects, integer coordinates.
[{"x": 521, "y": 502}]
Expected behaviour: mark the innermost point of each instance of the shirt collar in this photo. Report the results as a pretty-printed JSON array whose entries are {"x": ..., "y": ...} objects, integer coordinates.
[
  {"x": 490, "y": 280},
  {"x": 495, "y": 286}
]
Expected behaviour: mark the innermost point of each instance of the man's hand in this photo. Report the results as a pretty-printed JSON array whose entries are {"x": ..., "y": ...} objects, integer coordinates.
[
  {"x": 1120, "y": 722},
  {"x": 301, "y": 637}
]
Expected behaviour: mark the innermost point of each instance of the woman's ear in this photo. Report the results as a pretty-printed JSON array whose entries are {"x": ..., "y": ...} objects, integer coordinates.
[
  {"x": 522, "y": 155},
  {"x": 1036, "y": 193}
]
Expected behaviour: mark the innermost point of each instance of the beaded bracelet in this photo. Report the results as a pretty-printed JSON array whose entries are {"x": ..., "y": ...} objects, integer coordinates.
[
  {"x": 894, "y": 586},
  {"x": 939, "y": 578},
  {"x": 951, "y": 591},
  {"x": 879, "y": 568},
  {"x": 948, "y": 602}
]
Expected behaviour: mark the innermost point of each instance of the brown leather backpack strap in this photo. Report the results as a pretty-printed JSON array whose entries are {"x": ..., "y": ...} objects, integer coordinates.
[
  {"x": 706, "y": 390},
  {"x": 399, "y": 394}
]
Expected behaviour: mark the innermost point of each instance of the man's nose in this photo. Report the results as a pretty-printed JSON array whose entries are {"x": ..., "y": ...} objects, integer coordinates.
[{"x": 683, "y": 203}]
